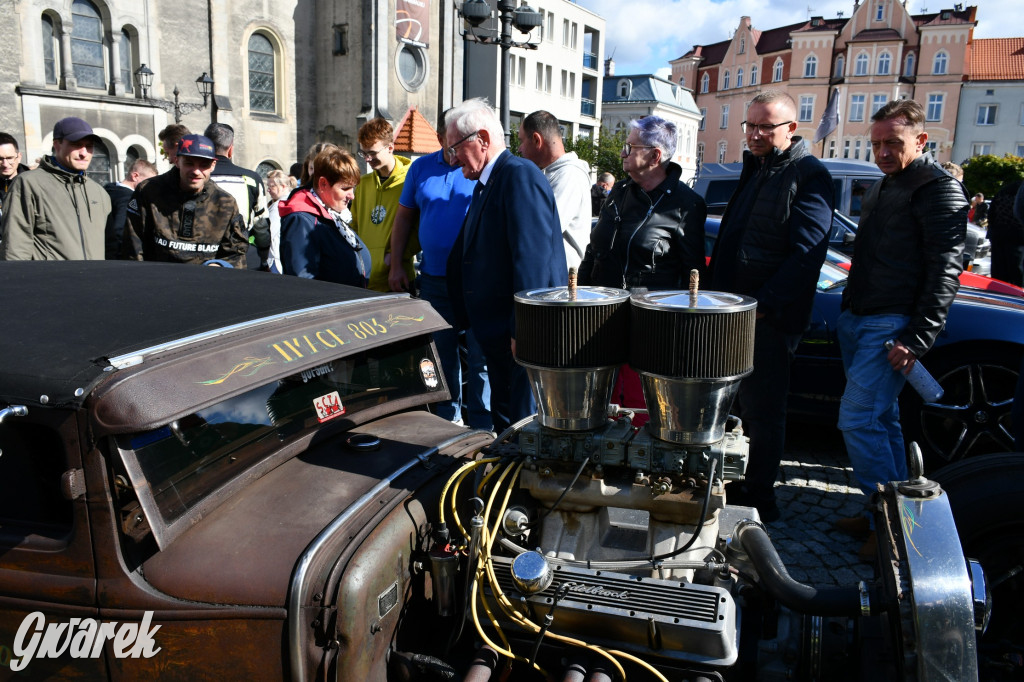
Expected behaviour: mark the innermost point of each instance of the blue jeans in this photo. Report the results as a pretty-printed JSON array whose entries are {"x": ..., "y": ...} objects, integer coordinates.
[
  {"x": 476, "y": 400},
  {"x": 761, "y": 402},
  {"x": 869, "y": 415}
]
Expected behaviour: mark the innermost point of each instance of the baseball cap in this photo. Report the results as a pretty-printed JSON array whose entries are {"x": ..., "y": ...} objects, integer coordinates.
[
  {"x": 196, "y": 145},
  {"x": 72, "y": 129}
]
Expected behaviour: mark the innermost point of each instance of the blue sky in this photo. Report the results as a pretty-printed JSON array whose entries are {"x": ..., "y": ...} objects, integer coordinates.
[{"x": 643, "y": 35}]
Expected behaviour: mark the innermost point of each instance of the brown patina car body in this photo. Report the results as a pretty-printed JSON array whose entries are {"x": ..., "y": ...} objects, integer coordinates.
[{"x": 163, "y": 452}]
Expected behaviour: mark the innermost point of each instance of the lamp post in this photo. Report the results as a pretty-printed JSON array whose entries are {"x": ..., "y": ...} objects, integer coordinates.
[
  {"x": 144, "y": 79},
  {"x": 475, "y": 13}
]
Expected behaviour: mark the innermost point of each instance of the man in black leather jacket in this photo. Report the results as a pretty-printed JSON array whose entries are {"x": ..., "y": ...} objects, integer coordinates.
[
  {"x": 770, "y": 246},
  {"x": 906, "y": 262}
]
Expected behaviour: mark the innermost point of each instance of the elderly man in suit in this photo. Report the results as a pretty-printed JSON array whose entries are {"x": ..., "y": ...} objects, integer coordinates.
[{"x": 511, "y": 241}]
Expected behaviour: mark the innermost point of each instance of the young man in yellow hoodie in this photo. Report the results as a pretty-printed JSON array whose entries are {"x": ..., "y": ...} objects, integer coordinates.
[{"x": 373, "y": 210}]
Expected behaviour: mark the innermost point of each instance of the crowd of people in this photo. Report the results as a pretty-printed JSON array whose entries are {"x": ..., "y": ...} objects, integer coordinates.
[{"x": 488, "y": 224}]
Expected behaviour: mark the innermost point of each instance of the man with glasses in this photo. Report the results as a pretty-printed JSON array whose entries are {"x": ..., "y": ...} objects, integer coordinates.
[
  {"x": 511, "y": 241},
  {"x": 10, "y": 165},
  {"x": 377, "y": 195},
  {"x": 771, "y": 244},
  {"x": 55, "y": 212}
]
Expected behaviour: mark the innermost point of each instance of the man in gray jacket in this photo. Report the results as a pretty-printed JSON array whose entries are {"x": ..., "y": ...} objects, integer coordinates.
[
  {"x": 540, "y": 141},
  {"x": 55, "y": 212}
]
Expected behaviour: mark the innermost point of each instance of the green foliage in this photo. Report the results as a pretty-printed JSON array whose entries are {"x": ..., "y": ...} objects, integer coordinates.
[{"x": 987, "y": 173}]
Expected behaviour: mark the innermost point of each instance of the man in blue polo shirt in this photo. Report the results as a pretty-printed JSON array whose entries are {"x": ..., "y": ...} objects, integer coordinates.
[{"x": 434, "y": 202}]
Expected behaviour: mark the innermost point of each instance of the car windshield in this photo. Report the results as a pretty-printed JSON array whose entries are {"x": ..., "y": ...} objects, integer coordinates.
[
  {"x": 830, "y": 277},
  {"x": 186, "y": 460}
]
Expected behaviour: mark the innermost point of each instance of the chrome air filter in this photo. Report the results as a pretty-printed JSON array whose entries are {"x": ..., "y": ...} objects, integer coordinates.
[
  {"x": 691, "y": 349},
  {"x": 571, "y": 342}
]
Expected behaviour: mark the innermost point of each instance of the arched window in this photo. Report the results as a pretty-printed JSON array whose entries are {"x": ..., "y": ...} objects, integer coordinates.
[
  {"x": 99, "y": 167},
  {"x": 739, "y": 78},
  {"x": 87, "y": 45},
  {"x": 753, "y": 75},
  {"x": 624, "y": 88},
  {"x": 265, "y": 167},
  {"x": 262, "y": 93},
  {"x": 840, "y": 66},
  {"x": 908, "y": 68},
  {"x": 810, "y": 66},
  {"x": 705, "y": 80},
  {"x": 49, "y": 50},
  {"x": 777, "y": 71},
  {"x": 940, "y": 63},
  {"x": 725, "y": 81},
  {"x": 722, "y": 147},
  {"x": 126, "y": 60},
  {"x": 860, "y": 66},
  {"x": 884, "y": 64}
]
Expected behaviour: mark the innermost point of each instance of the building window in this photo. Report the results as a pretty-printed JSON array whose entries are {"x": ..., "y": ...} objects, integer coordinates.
[
  {"x": 846, "y": 149},
  {"x": 743, "y": 44},
  {"x": 572, "y": 85},
  {"x": 703, "y": 115},
  {"x": 980, "y": 148},
  {"x": 261, "y": 74},
  {"x": 877, "y": 102},
  {"x": 879, "y": 12},
  {"x": 725, "y": 116},
  {"x": 722, "y": 146},
  {"x": 624, "y": 88},
  {"x": 857, "y": 107},
  {"x": 934, "y": 109},
  {"x": 49, "y": 50},
  {"x": 540, "y": 77},
  {"x": 565, "y": 33},
  {"x": 522, "y": 72},
  {"x": 753, "y": 75},
  {"x": 931, "y": 147},
  {"x": 840, "y": 65},
  {"x": 700, "y": 153},
  {"x": 725, "y": 81},
  {"x": 87, "y": 45},
  {"x": 908, "y": 66},
  {"x": 575, "y": 32},
  {"x": 563, "y": 88},
  {"x": 884, "y": 64},
  {"x": 811, "y": 67},
  {"x": 940, "y": 64},
  {"x": 860, "y": 65},
  {"x": 547, "y": 79},
  {"x": 411, "y": 65},
  {"x": 987, "y": 114},
  {"x": 831, "y": 149},
  {"x": 806, "y": 107},
  {"x": 99, "y": 167},
  {"x": 777, "y": 71},
  {"x": 126, "y": 60},
  {"x": 739, "y": 78},
  {"x": 551, "y": 27},
  {"x": 1020, "y": 149},
  {"x": 856, "y": 149},
  {"x": 705, "y": 80}
]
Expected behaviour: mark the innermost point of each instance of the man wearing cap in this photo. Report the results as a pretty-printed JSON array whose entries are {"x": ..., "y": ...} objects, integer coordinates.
[
  {"x": 182, "y": 216},
  {"x": 55, "y": 212}
]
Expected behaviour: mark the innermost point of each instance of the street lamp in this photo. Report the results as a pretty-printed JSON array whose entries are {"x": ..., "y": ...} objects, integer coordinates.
[
  {"x": 144, "y": 79},
  {"x": 475, "y": 13}
]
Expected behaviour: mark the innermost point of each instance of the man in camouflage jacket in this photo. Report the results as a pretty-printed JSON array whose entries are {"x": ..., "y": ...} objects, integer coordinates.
[{"x": 182, "y": 216}]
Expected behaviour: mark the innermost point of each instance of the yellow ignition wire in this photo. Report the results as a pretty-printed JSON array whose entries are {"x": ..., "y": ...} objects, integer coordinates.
[{"x": 452, "y": 487}]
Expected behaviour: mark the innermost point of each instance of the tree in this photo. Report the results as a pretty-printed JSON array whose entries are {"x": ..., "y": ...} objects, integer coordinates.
[{"x": 987, "y": 173}]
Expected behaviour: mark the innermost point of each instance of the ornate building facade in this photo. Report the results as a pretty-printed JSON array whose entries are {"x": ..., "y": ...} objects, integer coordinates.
[{"x": 881, "y": 52}]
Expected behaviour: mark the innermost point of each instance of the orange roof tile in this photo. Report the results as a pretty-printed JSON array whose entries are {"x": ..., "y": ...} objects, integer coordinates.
[
  {"x": 997, "y": 59},
  {"x": 415, "y": 135}
]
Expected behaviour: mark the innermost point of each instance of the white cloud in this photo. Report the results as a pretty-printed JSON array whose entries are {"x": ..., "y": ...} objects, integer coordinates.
[{"x": 643, "y": 35}]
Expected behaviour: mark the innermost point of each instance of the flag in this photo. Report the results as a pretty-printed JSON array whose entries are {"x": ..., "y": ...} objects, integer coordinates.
[{"x": 830, "y": 119}]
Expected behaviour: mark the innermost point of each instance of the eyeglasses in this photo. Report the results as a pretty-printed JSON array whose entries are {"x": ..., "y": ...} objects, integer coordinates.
[
  {"x": 8, "y": 159},
  {"x": 452, "y": 150},
  {"x": 628, "y": 148},
  {"x": 371, "y": 154},
  {"x": 763, "y": 129}
]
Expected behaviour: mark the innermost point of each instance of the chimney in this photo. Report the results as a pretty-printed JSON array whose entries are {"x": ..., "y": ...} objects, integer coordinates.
[{"x": 609, "y": 67}]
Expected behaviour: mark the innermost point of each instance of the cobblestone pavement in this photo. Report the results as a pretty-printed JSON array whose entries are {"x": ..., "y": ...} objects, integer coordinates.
[{"x": 816, "y": 487}]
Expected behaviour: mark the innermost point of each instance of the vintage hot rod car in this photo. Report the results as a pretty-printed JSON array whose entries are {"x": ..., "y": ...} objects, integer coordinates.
[{"x": 215, "y": 474}]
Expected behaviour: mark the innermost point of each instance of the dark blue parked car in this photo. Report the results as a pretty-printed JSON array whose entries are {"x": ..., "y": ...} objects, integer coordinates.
[{"x": 976, "y": 359}]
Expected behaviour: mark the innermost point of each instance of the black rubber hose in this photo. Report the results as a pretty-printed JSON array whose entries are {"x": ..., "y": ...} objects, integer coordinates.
[{"x": 815, "y": 601}]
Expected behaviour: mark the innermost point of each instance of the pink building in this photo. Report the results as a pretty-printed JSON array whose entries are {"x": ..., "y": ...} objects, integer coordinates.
[{"x": 880, "y": 53}]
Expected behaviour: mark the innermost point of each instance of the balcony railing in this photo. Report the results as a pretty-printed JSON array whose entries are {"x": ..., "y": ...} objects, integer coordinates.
[
  {"x": 588, "y": 107},
  {"x": 590, "y": 61}
]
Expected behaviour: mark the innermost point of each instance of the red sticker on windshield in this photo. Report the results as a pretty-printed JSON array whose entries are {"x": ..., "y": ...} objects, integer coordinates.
[{"x": 328, "y": 407}]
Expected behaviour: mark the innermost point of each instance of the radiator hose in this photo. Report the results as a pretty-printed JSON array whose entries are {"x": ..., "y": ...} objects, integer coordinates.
[{"x": 806, "y": 599}]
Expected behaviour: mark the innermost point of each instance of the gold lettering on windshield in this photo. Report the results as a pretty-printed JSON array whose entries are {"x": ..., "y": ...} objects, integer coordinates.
[{"x": 314, "y": 341}]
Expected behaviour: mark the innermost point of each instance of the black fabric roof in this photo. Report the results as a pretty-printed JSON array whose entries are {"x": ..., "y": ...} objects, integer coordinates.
[{"x": 62, "y": 320}]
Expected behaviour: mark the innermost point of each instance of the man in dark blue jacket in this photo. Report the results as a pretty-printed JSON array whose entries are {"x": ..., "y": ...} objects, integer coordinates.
[
  {"x": 511, "y": 241},
  {"x": 772, "y": 242}
]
